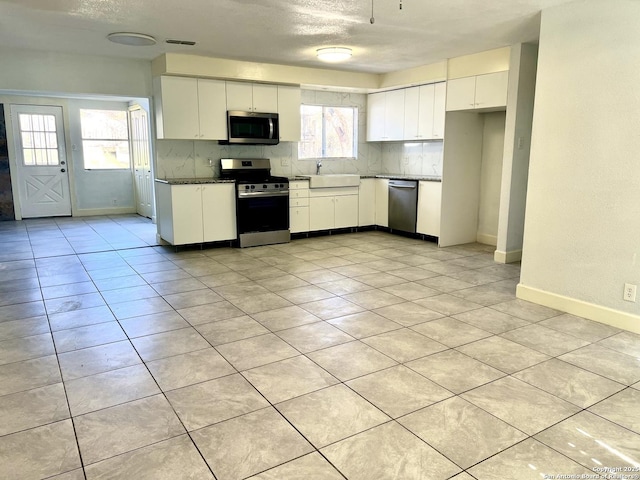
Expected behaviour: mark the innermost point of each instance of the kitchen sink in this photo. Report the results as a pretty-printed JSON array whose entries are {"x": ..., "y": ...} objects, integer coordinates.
[{"x": 333, "y": 180}]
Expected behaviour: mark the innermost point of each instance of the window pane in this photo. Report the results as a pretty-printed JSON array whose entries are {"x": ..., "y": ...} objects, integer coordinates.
[
  {"x": 311, "y": 142},
  {"x": 52, "y": 140},
  {"x": 104, "y": 124},
  {"x": 105, "y": 154},
  {"x": 50, "y": 123},
  {"x": 28, "y": 157},
  {"x": 338, "y": 132},
  {"x": 25, "y": 122}
]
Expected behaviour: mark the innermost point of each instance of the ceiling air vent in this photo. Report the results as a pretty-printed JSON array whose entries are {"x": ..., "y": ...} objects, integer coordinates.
[{"x": 181, "y": 42}]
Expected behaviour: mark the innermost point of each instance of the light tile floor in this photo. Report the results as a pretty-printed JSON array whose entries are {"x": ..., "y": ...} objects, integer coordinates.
[{"x": 359, "y": 356}]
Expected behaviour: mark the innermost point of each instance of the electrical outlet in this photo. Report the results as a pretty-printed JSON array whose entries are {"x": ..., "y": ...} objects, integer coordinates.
[
  {"x": 629, "y": 292},
  {"x": 114, "y": 202}
]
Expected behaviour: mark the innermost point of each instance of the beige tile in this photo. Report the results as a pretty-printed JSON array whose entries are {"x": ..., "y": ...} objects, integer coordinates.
[
  {"x": 21, "y": 376},
  {"x": 404, "y": 345},
  {"x": 167, "y": 460},
  {"x": 447, "y": 304},
  {"x": 391, "y": 452},
  {"x": 32, "y": 408},
  {"x": 106, "y": 433},
  {"x": 314, "y": 336},
  {"x": 525, "y": 407},
  {"x": 107, "y": 389},
  {"x": 136, "y": 308},
  {"x": 531, "y": 312},
  {"x": 450, "y": 332},
  {"x": 362, "y": 360},
  {"x": 617, "y": 366},
  {"x": 289, "y": 378},
  {"x": 128, "y": 294},
  {"x": 621, "y": 408},
  {"x": 80, "y": 318},
  {"x": 256, "y": 351},
  {"x": 283, "y": 318},
  {"x": 462, "y": 432},
  {"x": 309, "y": 467},
  {"x": 331, "y": 414},
  {"x": 26, "y": 348},
  {"x": 89, "y": 361},
  {"x": 408, "y": 313},
  {"x": 23, "y": 328},
  {"x": 75, "y": 302},
  {"x": 210, "y": 313},
  {"x": 345, "y": 286},
  {"x": 545, "y": 340},
  {"x": 154, "y": 323},
  {"x": 380, "y": 279},
  {"x": 331, "y": 308},
  {"x": 189, "y": 368},
  {"x": 593, "y": 441},
  {"x": 305, "y": 294},
  {"x": 214, "y": 401},
  {"x": 89, "y": 336},
  {"x": 371, "y": 299},
  {"x": 230, "y": 330},
  {"x": 192, "y": 298},
  {"x": 260, "y": 303},
  {"x": 624, "y": 342},
  {"x": 491, "y": 320},
  {"x": 166, "y": 344},
  {"x": 252, "y": 443},
  {"x": 517, "y": 462},
  {"x": 580, "y": 327},
  {"x": 220, "y": 279},
  {"x": 241, "y": 290},
  {"x": 414, "y": 273},
  {"x": 410, "y": 291},
  {"x": 179, "y": 286},
  {"x": 40, "y": 452},
  {"x": 455, "y": 371},
  {"x": 444, "y": 283},
  {"x": 398, "y": 390},
  {"x": 573, "y": 384},
  {"x": 503, "y": 354},
  {"x": 282, "y": 281},
  {"x": 364, "y": 324}
]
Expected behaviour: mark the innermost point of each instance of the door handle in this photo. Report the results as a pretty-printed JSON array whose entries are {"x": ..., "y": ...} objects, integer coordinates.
[
  {"x": 62, "y": 170},
  {"x": 62, "y": 162}
]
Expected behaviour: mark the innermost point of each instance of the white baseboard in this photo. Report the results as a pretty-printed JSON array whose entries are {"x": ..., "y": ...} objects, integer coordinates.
[
  {"x": 606, "y": 315},
  {"x": 487, "y": 239},
  {"x": 90, "y": 212},
  {"x": 507, "y": 257}
]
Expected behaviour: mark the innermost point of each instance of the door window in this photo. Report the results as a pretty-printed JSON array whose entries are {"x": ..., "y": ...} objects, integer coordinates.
[{"x": 39, "y": 139}]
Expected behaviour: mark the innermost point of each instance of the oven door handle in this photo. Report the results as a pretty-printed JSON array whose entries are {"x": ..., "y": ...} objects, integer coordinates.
[{"x": 262, "y": 194}]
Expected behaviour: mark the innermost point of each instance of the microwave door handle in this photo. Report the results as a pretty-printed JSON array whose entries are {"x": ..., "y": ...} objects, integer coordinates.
[{"x": 271, "y": 128}]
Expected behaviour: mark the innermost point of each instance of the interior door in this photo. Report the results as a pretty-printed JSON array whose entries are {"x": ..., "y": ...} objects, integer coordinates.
[
  {"x": 139, "y": 138},
  {"x": 43, "y": 177}
]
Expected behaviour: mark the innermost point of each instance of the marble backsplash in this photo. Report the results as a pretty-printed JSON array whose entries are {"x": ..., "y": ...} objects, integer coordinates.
[{"x": 194, "y": 159}]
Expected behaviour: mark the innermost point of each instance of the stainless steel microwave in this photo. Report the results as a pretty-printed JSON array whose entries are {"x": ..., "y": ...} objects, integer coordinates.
[{"x": 252, "y": 128}]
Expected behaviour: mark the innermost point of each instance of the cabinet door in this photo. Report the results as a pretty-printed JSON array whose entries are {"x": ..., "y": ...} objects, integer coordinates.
[
  {"x": 375, "y": 116},
  {"x": 346, "y": 211},
  {"x": 186, "y": 211},
  {"x": 219, "y": 212},
  {"x": 428, "y": 221},
  {"x": 461, "y": 94},
  {"x": 265, "y": 98},
  {"x": 382, "y": 202},
  {"x": 299, "y": 219},
  {"x": 439, "y": 99},
  {"x": 394, "y": 115},
  {"x": 321, "y": 213},
  {"x": 177, "y": 108},
  {"x": 240, "y": 96},
  {"x": 411, "y": 113},
  {"x": 212, "y": 105},
  {"x": 425, "y": 117},
  {"x": 289, "y": 100},
  {"x": 367, "y": 202},
  {"x": 491, "y": 90}
]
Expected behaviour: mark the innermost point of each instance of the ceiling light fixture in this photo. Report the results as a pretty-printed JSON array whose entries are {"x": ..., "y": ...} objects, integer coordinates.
[
  {"x": 132, "y": 39},
  {"x": 334, "y": 54}
]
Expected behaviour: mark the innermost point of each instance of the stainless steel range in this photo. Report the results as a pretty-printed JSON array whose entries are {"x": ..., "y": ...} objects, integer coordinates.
[{"x": 262, "y": 201}]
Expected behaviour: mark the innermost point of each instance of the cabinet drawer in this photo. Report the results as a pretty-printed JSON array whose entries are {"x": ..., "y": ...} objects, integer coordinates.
[
  {"x": 298, "y": 185},
  {"x": 299, "y": 193},
  {"x": 299, "y": 202}
]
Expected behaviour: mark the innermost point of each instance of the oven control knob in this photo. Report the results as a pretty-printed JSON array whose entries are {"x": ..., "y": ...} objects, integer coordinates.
[
  {"x": 246, "y": 187},
  {"x": 252, "y": 187},
  {"x": 264, "y": 186}
]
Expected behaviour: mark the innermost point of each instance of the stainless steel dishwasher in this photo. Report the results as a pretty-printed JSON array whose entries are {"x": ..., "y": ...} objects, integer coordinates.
[{"x": 403, "y": 205}]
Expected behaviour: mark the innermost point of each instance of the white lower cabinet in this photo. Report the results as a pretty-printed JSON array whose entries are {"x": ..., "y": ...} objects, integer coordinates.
[
  {"x": 382, "y": 202},
  {"x": 298, "y": 206},
  {"x": 196, "y": 213},
  {"x": 333, "y": 208},
  {"x": 429, "y": 201},
  {"x": 367, "y": 202}
]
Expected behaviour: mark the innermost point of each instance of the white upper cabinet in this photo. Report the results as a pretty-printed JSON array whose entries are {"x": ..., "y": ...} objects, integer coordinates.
[
  {"x": 385, "y": 116},
  {"x": 252, "y": 97},
  {"x": 478, "y": 92},
  {"x": 289, "y": 100},
  {"x": 415, "y": 113},
  {"x": 190, "y": 108}
]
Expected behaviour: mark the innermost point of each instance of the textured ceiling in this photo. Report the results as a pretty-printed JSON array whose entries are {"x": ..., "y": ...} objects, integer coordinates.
[{"x": 277, "y": 31}]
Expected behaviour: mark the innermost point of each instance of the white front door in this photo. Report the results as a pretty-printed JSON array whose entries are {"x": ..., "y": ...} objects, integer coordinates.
[
  {"x": 43, "y": 177},
  {"x": 139, "y": 138}
]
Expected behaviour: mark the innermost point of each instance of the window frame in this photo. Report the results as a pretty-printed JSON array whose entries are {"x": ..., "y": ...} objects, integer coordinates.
[
  {"x": 354, "y": 148},
  {"x": 114, "y": 140}
]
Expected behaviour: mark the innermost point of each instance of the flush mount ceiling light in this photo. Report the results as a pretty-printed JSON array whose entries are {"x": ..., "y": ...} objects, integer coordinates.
[
  {"x": 334, "y": 54},
  {"x": 132, "y": 39}
]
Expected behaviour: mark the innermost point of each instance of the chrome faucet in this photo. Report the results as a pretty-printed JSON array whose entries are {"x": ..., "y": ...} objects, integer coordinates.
[{"x": 318, "y": 165}]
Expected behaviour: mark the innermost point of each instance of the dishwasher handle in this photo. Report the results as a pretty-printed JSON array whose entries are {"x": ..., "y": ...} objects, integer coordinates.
[{"x": 403, "y": 184}]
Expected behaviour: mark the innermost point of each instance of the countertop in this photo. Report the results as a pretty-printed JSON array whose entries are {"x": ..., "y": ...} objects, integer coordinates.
[
  {"x": 192, "y": 181},
  {"x": 198, "y": 181}
]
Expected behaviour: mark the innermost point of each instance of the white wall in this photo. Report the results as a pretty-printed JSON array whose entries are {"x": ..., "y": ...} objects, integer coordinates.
[
  {"x": 490, "y": 177},
  {"x": 582, "y": 226}
]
